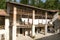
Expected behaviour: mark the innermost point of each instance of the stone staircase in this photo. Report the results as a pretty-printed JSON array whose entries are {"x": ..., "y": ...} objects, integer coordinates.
[{"x": 55, "y": 17}]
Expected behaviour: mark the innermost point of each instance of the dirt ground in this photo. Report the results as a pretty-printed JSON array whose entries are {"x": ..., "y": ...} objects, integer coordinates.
[{"x": 52, "y": 37}]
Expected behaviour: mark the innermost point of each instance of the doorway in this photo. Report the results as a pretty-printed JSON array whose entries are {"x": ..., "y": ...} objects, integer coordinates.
[{"x": 21, "y": 30}]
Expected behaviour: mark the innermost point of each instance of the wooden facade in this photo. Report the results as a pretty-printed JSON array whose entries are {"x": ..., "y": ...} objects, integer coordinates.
[{"x": 26, "y": 11}]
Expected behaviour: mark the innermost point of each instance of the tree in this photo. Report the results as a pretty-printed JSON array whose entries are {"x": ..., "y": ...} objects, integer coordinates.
[
  {"x": 14, "y": 0},
  {"x": 59, "y": 5},
  {"x": 3, "y": 4},
  {"x": 9, "y": 0},
  {"x": 40, "y": 4},
  {"x": 37, "y": 3},
  {"x": 32, "y": 2},
  {"x": 24, "y": 1},
  {"x": 51, "y": 4}
]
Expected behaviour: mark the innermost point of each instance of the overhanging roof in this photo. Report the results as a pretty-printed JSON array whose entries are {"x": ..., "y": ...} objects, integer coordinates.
[{"x": 33, "y": 7}]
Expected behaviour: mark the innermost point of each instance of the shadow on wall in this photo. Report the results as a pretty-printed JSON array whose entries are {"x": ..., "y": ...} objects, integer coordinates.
[{"x": 52, "y": 37}]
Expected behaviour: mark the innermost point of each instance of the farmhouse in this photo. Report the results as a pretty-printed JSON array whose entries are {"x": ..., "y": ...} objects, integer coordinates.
[{"x": 27, "y": 20}]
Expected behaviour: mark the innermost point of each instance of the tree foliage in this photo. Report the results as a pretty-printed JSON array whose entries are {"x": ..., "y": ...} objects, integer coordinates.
[
  {"x": 14, "y": 0},
  {"x": 51, "y": 4},
  {"x": 58, "y": 4},
  {"x": 2, "y": 4},
  {"x": 40, "y": 4},
  {"x": 32, "y": 2},
  {"x": 48, "y": 4},
  {"x": 24, "y": 1},
  {"x": 10, "y": 0}
]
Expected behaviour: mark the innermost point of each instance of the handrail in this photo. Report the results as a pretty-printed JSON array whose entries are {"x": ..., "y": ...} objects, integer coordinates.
[{"x": 55, "y": 17}]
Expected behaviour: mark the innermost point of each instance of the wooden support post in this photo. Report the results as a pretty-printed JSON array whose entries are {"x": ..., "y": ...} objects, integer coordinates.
[
  {"x": 6, "y": 28},
  {"x": 7, "y": 25},
  {"x": 14, "y": 29},
  {"x": 46, "y": 23},
  {"x": 0, "y": 36},
  {"x": 33, "y": 26}
]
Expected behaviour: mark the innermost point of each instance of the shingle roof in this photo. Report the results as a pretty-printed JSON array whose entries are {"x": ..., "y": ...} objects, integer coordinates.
[{"x": 3, "y": 12}]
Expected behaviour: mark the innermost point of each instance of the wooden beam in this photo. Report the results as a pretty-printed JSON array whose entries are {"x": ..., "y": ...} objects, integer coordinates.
[
  {"x": 46, "y": 23},
  {"x": 14, "y": 24},
  {"x": 33, "y": 26},
  {"x": 36, "y": 15}
]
